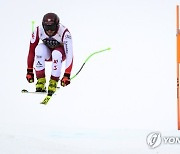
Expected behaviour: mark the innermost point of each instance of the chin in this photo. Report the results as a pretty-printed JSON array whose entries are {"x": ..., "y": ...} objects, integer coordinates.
[{"x": 52, "y": 34}]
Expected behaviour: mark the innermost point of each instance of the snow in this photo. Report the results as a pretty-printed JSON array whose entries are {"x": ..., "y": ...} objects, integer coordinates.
[{"x": 118, "y": 98}]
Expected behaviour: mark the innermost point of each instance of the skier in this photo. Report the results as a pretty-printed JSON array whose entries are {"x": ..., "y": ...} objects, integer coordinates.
[{"x": 56, "y": 47}]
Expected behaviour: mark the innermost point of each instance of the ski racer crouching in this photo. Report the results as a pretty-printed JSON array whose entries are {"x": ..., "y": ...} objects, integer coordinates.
[{"x": 56, "y": 47}]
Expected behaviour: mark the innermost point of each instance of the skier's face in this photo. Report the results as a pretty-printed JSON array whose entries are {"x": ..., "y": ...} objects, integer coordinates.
[{"x": 50, "y": 32}]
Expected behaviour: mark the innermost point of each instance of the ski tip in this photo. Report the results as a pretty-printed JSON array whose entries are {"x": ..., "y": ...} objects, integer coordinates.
[{"x": 46, "y": 100}]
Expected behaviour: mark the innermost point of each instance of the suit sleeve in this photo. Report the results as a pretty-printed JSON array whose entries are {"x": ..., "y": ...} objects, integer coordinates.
[
  {"x": 67, "y": 41},
  {"x": 33, "y": 43}
]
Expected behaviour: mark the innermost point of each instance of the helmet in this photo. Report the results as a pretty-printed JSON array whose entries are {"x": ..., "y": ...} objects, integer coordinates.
[{"x": 50, "y": 22}]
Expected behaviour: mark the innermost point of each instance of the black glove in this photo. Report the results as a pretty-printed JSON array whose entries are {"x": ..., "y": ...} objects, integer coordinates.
[
  {"x": 30, "y": 75},
  {"x": 65, "y": 80}
]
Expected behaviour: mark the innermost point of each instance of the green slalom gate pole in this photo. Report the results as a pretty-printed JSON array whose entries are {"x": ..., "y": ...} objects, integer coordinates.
[{"x": 94, "y": 53}]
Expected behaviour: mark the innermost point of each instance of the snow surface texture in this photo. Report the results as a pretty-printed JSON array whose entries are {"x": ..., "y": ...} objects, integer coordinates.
[{"x": 119, "y": 97}]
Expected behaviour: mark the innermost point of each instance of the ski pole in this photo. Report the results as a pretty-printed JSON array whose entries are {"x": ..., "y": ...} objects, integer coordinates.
[
  {"x": 87, "y": 59},
  {"x": 33, "y": 22},
  {"x": 94, "y": 53}
]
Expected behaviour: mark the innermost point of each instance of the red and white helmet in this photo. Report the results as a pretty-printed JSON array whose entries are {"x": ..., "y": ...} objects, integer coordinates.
[{"x": 50, "y": 22}]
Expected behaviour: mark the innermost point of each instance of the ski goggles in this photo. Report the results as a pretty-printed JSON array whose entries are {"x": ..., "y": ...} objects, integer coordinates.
[{"x": 50, "y": 27}]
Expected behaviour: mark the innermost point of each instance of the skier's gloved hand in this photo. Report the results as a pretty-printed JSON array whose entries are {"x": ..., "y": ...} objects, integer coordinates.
[
  {"x": 30, "y": 75},
  {"x": 65, "y": 80}
]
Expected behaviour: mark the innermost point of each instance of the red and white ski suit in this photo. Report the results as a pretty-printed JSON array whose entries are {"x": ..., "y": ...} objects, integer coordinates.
[{"x": 57, "y": 49}]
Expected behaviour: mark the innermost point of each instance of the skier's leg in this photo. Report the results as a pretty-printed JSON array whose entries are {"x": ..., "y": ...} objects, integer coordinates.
[
  {"x": 57, "y": 58},
  {"x": 41, "y": 54}
]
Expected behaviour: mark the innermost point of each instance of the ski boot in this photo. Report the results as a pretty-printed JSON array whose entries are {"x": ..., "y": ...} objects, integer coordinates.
[
  {"x": 52, "y": 87},
  {"x": 40, "y": 85}
]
